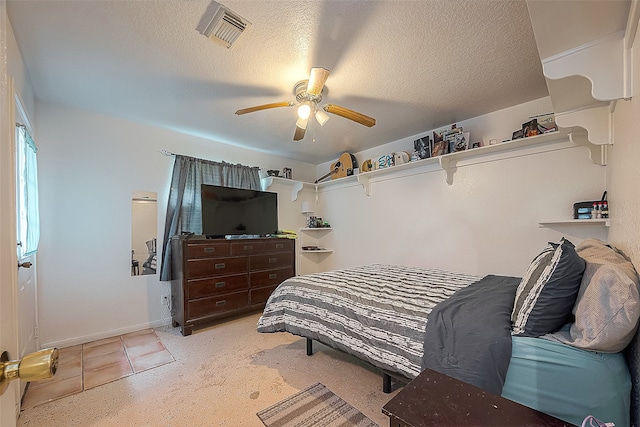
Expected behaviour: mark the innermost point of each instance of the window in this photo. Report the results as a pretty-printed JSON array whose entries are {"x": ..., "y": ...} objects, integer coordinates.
[{"x": 28, "y": 220}]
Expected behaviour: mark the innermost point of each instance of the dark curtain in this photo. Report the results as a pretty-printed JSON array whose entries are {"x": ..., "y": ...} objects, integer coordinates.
[{"x": 184, "y": 205}]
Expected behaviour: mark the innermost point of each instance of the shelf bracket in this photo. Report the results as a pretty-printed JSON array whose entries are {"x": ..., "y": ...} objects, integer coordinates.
[
  {"x": 604, "y": 62},
  {"x": 365, "y": 181},
  {"x": 596, "y": 120},
  {"x": 295, "y": 189},
  {"x": 296, "y": 186},
  {"x": 597, "y": 153},
  {"x": 449, "y": 166}
]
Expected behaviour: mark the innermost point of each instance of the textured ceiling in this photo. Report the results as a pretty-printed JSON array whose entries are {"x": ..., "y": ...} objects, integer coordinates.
[{"x": 412, "y": 65}]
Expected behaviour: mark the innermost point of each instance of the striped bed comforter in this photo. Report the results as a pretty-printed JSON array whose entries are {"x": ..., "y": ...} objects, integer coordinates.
[{"x": 377, "y": 313}]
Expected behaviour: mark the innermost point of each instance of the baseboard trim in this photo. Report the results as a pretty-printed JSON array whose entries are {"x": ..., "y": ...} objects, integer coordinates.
[{"x": 105, "y": 334}]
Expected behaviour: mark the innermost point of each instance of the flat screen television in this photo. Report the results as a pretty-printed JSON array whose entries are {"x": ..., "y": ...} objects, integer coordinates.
[{"x": 230, "y": 211}]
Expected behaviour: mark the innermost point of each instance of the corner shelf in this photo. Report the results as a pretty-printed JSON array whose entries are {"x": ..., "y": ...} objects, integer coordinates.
[
  {"x": 315, "y": 251},
  {"x": 602, "y": 222}
]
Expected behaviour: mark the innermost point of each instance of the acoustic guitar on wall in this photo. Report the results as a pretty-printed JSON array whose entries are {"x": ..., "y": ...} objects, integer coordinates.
[{"x": 343, "y": 167}]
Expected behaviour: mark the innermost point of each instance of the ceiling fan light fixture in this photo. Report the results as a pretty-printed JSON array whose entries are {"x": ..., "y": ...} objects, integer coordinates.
[
  {"x": 304, "y": 111},
  {"x": 302, "y": 123},
  {"x": 321, "y": 116}
]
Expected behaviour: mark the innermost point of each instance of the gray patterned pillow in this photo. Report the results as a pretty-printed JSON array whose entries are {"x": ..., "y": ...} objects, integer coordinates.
[
  {"x": 547, "y": 293},
  {"x": 608, "y": 305}
]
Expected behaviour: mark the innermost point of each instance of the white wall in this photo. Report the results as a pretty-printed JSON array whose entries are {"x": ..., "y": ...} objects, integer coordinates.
[
  {"x": 485, "y": 222},
  {"x": 624, "y": 161},
  {"x": 89, "y": 166}
]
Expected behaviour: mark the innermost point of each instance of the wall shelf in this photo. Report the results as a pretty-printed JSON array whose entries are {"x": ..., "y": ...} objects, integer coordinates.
[
  {"x": 602, "y": 222},
  {"x": 447, "y": 162}
]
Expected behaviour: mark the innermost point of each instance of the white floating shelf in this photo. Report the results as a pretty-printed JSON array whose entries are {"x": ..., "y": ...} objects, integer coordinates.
[{"x": 603, "y": 222}]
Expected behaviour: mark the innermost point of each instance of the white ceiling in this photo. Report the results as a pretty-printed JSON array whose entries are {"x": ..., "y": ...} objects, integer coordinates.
[{"x": 412, "y": 65}]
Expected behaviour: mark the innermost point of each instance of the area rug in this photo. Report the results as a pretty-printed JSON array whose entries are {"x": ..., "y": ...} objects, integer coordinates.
[{"x": 314, "y": 406}]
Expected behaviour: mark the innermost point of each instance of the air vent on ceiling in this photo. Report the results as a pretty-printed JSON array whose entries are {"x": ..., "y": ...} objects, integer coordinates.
[{"x": 225, "y": 27}]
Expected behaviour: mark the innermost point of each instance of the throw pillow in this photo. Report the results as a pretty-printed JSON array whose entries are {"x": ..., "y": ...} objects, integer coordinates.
[
  {"x": 608, "y": 305},
  {"x": 547, "y": 292}
]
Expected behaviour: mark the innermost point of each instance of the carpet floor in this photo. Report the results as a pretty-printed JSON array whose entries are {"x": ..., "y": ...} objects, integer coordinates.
[{"x": 222, "y": 376}]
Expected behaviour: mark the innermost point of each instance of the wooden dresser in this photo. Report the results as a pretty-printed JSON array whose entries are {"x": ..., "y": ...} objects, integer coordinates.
[{"x": 216, "y": 278}]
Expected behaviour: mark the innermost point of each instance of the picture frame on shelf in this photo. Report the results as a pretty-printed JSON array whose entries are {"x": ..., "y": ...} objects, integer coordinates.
[
  {"x": 530, "y": 128},
  {"x": 476, "y": 144},
  {"x": 422, "y": 147},
  {"x": 440, "y": 148}
]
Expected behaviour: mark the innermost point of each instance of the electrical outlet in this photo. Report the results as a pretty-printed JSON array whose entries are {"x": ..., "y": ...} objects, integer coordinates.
[{"x": 164, "y": 299}]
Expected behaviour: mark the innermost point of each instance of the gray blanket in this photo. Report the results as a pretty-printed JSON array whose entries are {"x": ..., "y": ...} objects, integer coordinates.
[
  {"x": 376, "y": 312},
  {"x": 468, "y": 336}
]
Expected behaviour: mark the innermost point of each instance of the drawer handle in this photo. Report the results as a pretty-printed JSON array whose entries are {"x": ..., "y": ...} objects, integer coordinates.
[
  {"x": 248, "y": 247},
  {"x": 220, "y": 284},
  {"x": 279, "y": 245},
  {"x": 220, "y": 303},
  {"x": 272, "y": 260},
  {"x": 273, "y": 276},
  {"x": 209, "y": 250},
  {"x": 219, "y": 265}
]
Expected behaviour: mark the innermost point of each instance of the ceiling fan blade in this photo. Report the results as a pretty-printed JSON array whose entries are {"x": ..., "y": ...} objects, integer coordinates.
[
  {"x": 317, "y": 79},
  {"x": 349, "y": 114},
  {"x": 299, "y": 133},
  {"x": 265, "y": 107}
]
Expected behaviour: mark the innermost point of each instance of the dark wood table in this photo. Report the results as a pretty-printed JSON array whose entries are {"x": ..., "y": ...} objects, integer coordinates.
[{"x": 434, "y": 399}]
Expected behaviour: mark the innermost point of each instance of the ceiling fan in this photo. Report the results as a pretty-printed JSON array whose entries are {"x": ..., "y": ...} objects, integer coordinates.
[{"x": 308, "y": 97}]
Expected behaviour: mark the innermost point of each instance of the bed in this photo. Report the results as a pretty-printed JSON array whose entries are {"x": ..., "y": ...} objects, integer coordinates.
[{"x": 527, "y": 338}]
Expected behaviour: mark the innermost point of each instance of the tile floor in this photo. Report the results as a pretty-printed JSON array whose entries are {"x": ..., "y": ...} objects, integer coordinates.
[{"x": 89, "y": 365}]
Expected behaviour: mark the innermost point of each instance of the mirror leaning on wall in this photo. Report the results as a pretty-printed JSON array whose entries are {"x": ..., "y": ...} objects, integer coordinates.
[{"x": 144, "y": 232}]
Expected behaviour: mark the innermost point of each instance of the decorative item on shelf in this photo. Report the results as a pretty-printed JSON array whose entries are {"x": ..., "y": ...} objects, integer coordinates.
[
  {"x": 386, "y": 161},
  {"x": 530, "y": 128},
  {"x": 593, "y": 209},
  {"x": 344, "y": 166},
  {"x": 307, "y": 210},
  {"x": 273, "y": 172},
  {"x": 518, "y": 134},
  {"x": 546, "y": 123},
  {"x": 422, "y": 148},
  {"x": 476, "y": 144},
  {"x": 537, "y": 125},
  {"x": 287, "y": 172},
  {"x": 317, "y": 222},
  {"x": 367, "y": 165},
  {"x": 401, "y": 157}
]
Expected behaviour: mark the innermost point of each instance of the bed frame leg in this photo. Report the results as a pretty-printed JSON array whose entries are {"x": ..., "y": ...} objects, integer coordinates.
[
  {"x": 309, "y": 346},
  {"x": 386, "y": 383}
]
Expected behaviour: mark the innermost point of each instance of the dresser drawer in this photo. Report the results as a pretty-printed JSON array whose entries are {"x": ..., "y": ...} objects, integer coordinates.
[
  {"x": 270, "y": 261},
  {"x": 213, "y": 267},
  {"x": 219, "y": 304},
  {"x": 277, "y": 245},
  {"x": 208, "y": 250},
  {"x": 200, "y": 288},
  {"x": 270, "y": 277},
  {"x": 247, "y": 247},
  {"x": 260, "y": 296}
]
